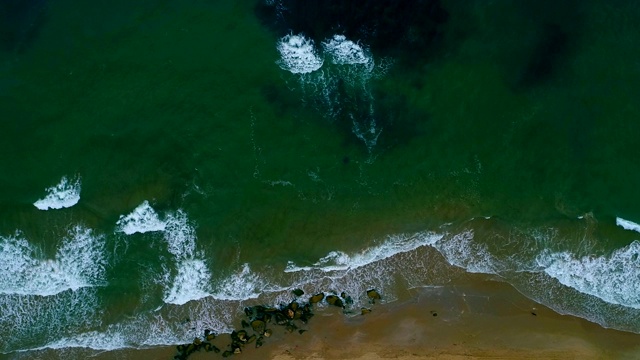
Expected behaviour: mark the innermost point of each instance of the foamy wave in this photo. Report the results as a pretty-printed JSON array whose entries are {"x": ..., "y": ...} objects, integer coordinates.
[
  {"x": 193, "y": 278},
  {"x": 180, "y": 235},
  {"x": 191, "y": 282},
  {"x": 31, "y": 320},
  {"x": 340, "y": 261},
  {"x": 63, "y": 195},
  {"x": 460, "y": 250},
  {"x": 298, "y": 55},
  {"x": 612, "y": 278},
  {"x": 627, "y": 225},
  {"x": 346, "y": 52},
  {"x": 80, "y": 262},
  {"x": 242, "y": 285},
  {"x": 142, "y": 219}
]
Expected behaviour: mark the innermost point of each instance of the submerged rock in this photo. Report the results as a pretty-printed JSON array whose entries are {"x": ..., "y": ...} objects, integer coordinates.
[
  {"x": 373, "y": 295},
  {"x": 227, "y": 353},
  {"x": 259, "y": 342},
  {"x": 298, "y": 292},
  {"x": 365, "y": 311}
]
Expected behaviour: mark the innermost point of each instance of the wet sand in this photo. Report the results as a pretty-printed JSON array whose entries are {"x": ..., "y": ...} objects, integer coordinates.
[{"x": 474, "y": 319}]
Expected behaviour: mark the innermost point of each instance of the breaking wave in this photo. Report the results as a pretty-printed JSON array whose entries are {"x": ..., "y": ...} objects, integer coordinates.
[
  {"x": 80, "y": 262},
  {"x": 64, "y": 195}
]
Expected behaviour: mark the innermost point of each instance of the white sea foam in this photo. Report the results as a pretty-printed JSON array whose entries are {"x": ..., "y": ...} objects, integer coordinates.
[
  {"x": 141, "y": 220},
  {"x": 612, "y": 278},
  {"x": 79, "y": 262},
  {"x": 242, "y": 285},
  {"x": 346, "y": 52},
  {"x": 460, "y": 250},
  {"x": 627, "y": 225},
  {"x": 63, "y": 195},
  {"x": 193, "y": 278},
  {"x": 34, "y": 319},
  {"x": 298, "y": 54},
  {"x": 191, "y": 282},
  {"x": 180, "y": 235},
  {"x": 395, "y": 244}
]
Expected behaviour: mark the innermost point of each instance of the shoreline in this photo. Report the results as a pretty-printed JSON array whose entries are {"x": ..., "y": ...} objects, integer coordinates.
[{"x": 477, "y": 318}]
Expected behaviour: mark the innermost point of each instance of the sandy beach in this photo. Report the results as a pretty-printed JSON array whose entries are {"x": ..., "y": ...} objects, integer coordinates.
[
  {"x": 480, "y": 318},
  {"x": 485, "y": 320}
]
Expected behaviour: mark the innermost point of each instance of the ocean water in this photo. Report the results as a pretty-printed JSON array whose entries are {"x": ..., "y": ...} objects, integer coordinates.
[{"x": 166, "y": 164}]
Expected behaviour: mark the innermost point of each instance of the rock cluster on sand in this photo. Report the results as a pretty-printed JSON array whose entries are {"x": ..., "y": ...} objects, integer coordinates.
[{"x": 255, "y": 328}]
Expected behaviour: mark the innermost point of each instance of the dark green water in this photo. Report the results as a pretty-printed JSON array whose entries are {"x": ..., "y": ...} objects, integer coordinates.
[{"x": 510, "y": 147}]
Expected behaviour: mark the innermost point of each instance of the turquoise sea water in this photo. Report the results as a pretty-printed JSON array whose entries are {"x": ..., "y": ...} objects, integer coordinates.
[{"x": 201, "y": 166}]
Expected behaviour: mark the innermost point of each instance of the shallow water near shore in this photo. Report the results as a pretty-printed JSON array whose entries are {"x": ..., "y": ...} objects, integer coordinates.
[{"x": 165, "y": 165}]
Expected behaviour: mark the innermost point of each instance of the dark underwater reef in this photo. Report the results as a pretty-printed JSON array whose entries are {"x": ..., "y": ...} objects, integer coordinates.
[{"x": 384, "y": 25}]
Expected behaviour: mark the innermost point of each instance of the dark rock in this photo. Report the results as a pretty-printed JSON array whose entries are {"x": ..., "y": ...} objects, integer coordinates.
[
  {"x": 207, "y": 332},
  {"x": 281, "y": 319},
  {"x": 242, "y": 335},
  {"x": 210, "y": 337},
  {"x": 251, "y": 339},
  {"x": 306, "y": 309},
  {"x": 334, "y": 300},
  {"x": 215, "y": 349},
  {"x": 197, "y": 341},
  {"x": 373, "y": 294},
  {"x": 239, "y": 336},
  {"x": 316, "y": 298},
  {"x": 244, "y": 324},
  {"x": 290, "y": 327},
  {"x": 227, "y": 353},
  {"x": 267, "y": 317},
  {"x": 298, "y": 292},
  {"x": 305, "y": 317},
  {"x": 258, "y": 326},
  {"x": 434, "y": 314},
  {"x": 294, "y": 306},
  {"x": 259, "y": 342},
  {"x": 301, "y": 331},
  {"x": 365, "y": 311}
]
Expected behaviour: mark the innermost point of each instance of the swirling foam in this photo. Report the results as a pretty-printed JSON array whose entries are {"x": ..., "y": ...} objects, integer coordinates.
[
  {"x": 79, "y": 262},
  {"x": 298, "y": 55},
  {"x": 193, "y": 278},
  {"x": 346, "y": 52},
  {"x": 141, "y": 220},
  {"x": 64, "y": 195},
  {"x": 612, "y": 278}
]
